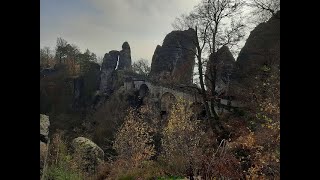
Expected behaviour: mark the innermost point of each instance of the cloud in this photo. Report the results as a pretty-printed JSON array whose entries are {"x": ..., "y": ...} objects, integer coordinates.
[{"x": 102, "y": 25}]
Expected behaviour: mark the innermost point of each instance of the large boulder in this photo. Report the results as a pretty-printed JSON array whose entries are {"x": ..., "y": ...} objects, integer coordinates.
[
  {"x": 173, "y": 62},
  {"x": 125, "y": 57},
  {"x": 44, "y": 128},
  {"x": 90, "y": 155}
]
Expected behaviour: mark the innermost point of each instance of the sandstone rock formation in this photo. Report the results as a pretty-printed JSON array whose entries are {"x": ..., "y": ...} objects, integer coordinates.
[
  {"x": 262, "y": 47},
  {"x": 222, "y": 62},
  {"x": 44, "y": 137},
  {"x": 91, "y": 78},
  {"x": 90, "y": 155},
  {"x": 112, "y": 61},
  {"x": 125, "y": 57},
  {"x": 85, "y": 87},
  {"x": 107, "y": 68},
  {"x": 173, "y": 62}
]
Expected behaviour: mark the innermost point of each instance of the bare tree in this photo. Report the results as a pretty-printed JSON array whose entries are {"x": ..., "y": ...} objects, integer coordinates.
[
  {"x": 68, "y": 54},
  {"x": 262, "y": 10},
  {"x": 141, "y": 67},
  {"x": 219, "y": 23},
  {"x": 60, "y": 50},
  {"x": 46, "y": 57},
  {"x": 99, "y": 60},
  {"x": 216, "y": 25}
]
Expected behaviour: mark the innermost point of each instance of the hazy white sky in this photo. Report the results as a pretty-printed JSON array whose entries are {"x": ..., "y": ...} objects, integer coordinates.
[{"x": 103, "y": 25}]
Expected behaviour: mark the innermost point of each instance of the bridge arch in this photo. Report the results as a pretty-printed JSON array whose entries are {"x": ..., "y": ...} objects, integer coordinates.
[{"x": 143, "y": 90}]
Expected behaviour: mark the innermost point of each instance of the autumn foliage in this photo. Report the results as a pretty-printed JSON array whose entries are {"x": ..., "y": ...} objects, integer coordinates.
[{"x": 187, "y": 148}]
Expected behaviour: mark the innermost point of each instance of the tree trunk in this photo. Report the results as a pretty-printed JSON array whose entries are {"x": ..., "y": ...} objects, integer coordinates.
[
  {"x": 213, "y": 87},
  {"x": 213, "y": 95},
  {"x": 203, "y": 91},
  {"x": 213, "y": 121},
  {"x": 213, "y": 77}
]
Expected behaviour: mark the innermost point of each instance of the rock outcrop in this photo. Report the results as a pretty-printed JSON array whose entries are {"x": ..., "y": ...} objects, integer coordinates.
[
  {"x": 90, "y": 155},
  {"x": 107, "y": 68},
  {"x": 222, "y": 63},
  {"x": 173, "y": 62},
  {"x": 86, "y": 86},
  {"x": 125, "y": 57},
  {"x": 262, "y": 47},
  {"x": 93, "y": 74},
  {"x": 112, "y": 61},
  {"x": 44, "y": 137}
]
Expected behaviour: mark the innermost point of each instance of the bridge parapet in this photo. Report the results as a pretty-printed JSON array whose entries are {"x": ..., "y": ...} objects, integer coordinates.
[{"x": 157, "y": 91}]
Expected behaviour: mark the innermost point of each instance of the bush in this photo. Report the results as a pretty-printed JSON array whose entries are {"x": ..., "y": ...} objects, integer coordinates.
[
  {"x": 108, "y": 118},
  {"x": 61, "y": 165},
  {"x": 60, "y": 172},
  {"x": 133, "y": 140},
  {"x": 146, "y": 170},
  {"x": 181, "y": 141}
]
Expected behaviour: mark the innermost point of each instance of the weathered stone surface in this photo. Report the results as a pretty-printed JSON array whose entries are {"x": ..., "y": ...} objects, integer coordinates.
[
  {"x": 44, "y": 133},
  {"x": 44, "y": 128},
  {"x": 125, "y": 57},
  {"x": 222, "y": 62},
  {"x": 90, "y": 154},
  {"x": 91, "y": 83},
  {"x": 108, "y": 67},
  {"x": 110, "y": 60},
  {"x": 57, "y": 90},
  {"x": 173, "y": 62},
  {"x": 262, "y": 47}
]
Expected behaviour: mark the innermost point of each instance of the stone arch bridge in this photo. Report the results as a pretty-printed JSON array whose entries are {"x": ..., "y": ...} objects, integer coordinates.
[{"x": 164, "y": 95}]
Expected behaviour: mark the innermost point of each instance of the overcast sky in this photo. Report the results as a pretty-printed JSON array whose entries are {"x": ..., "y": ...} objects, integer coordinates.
[{"x": 103, "y": 25}]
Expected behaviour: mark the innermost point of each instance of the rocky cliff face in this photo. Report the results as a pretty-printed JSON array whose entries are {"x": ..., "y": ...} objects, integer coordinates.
[
  {"x": 223, "y": 63},
  {"x": 108, "y": 67},
  {"x": 173, "y": 62},
  {"x": 65, "y": 92},
  {"x": 262, "y": 47},
  {"x": 261, "y": 51}
]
